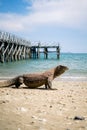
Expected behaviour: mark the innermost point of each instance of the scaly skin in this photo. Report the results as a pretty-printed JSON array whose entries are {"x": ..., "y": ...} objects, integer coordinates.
[{"x": 36, "y": 80}]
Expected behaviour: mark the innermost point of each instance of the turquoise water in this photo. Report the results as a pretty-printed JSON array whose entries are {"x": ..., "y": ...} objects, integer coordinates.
[{"x": 77, "y": 64}]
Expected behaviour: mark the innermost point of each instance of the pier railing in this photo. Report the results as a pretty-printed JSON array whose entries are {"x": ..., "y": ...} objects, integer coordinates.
[{"x": 13, "y": 48}]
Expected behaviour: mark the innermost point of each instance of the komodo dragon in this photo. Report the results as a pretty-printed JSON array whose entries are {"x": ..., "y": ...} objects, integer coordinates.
[{"x": 36, "y": 80}]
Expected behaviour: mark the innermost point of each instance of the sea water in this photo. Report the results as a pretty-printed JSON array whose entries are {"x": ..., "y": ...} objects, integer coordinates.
[{"x": 76, "y": 62}]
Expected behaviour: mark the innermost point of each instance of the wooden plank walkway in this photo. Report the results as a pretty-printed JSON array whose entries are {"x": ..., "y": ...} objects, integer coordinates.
[{"x": 13, "y": 48}]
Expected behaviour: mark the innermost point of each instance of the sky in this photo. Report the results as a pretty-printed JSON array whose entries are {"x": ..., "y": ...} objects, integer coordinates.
[{"x": 50, "y": 22}]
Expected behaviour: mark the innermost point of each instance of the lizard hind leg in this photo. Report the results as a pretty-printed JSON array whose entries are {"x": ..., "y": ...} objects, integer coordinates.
[
  {"x": 46, "y": 86},
  {"x": 19, "y": 82}
]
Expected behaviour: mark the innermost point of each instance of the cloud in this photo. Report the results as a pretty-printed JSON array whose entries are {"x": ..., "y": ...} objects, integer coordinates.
[
  {"x": 10, "y": 22},
  {"x": 64, "y": 13},
  {"x": 60, "y": 12}
]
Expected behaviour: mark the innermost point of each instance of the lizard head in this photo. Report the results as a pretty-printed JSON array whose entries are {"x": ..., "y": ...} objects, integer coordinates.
[{"x": 60, "y": 70}]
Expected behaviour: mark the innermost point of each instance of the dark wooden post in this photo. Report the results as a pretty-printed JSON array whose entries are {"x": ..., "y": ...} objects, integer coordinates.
[
  {"x": 2, "y": 53},
  {"x": 38, "y": 51},
  {"x": 33, "y": 52},
  {"x": 46, "y": 52},
  {"x": 58, "y": 52}
]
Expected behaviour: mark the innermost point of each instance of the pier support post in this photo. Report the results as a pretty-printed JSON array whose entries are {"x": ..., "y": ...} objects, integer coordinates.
[
  {"x": 46, "y": 53},
  {"x": 38, "y": 51},
  {"x": 9, "y": 55},
  {"x": 24, "y": 52},
  {"x": 29, "y": 52},
  {"x": 33, "y": 51},
  {"x": 13, "y": 55},
  {"x": 2, "y": 53},
  {"x": 17, "y": 56},
  {"x": 58, "y": 52}
]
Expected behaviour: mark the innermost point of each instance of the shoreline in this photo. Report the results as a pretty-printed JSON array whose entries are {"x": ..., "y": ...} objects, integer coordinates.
[{"x": 60, "y": 78}]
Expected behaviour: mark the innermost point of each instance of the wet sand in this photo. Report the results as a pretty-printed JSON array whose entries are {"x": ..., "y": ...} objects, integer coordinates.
[{"x": 40, "y": 109}]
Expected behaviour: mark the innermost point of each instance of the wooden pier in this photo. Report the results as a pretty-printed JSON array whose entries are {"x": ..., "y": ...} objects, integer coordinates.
[
  {"x": 13, "y": 48},
  {"x": 37, "y": 50}
]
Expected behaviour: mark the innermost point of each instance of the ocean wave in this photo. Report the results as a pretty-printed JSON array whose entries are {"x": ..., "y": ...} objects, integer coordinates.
[{"x": 72, "y": 78}]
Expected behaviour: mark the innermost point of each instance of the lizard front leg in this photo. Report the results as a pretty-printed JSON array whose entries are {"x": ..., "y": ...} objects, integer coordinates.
[{"x": 49, "y": 84}]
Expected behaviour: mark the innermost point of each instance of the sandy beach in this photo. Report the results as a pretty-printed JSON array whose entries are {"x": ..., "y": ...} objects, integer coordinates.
[{"x": 40, "y": 109}]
